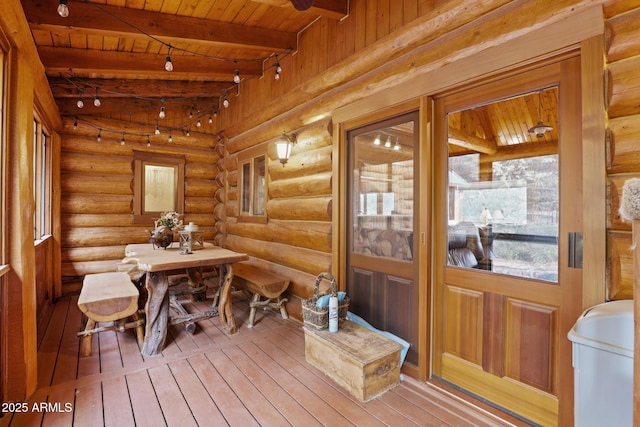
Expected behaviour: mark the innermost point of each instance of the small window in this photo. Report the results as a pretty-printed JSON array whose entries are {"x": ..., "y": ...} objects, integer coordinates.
[
  {"x": 158, "y": 186},
  {"x": 41, "y": 180},
  {"x": 253, "y": 188}
]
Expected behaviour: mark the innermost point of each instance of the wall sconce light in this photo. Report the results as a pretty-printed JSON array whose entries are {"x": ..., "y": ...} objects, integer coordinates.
[{"x": 284, "y": 146}]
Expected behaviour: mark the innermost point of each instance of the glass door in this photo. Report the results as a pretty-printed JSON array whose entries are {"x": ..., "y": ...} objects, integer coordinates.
[
  {"x": 381, "y": 267},
  {"x": 507, "y": 284}
]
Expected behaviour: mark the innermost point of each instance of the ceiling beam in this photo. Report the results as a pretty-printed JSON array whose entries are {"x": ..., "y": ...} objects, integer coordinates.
[
  {"x": 175, "y": 30},
  {"x": 112, "y": 64},
  {"x": 334, "y": 9},
  {"x": 114, "y": 88},
  {"x": 464, "y": 139},
  {"x": 144, "y": 110}
]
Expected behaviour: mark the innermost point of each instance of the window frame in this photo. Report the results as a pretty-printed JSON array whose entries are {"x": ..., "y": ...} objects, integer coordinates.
[
  {"x": 250, "y": 157},
  {"x": 42, "y": 179},
  {"x": 142, "y": 159}
]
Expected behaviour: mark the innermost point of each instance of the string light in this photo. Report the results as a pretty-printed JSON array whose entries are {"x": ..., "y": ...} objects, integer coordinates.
[
  {"x": 148, "y": 142},
  {"x": 75, "y": 125},
  {"x": 168, "y": 65},
  {"x": 63, "y": 8},
  {"x": 162, "y": 114},
  {"x": 122, "y": 140},
  {"x": 170, "y": 138},
  {"x": 80, "y": 102},
  {"x": 199, "y": 123},
  {"x": 157, "y": 130},
  {"x": 278, "y": 69},
  {"x": 99, "y": 135},
  {"x": 96, "y": 100},
  {"x": 210, "y": 120},
  {"x": 236, "y": 76},
  {"x": 225, "y": 103},
  {"x": 188, "y": 132}
]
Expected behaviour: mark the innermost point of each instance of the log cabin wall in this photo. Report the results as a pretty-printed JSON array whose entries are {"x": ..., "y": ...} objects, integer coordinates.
[
  {"x": 330, "y": 70},
  {"x": 97, "y": 181},
  {"x": 623, "y": 138},
  {"x": 27, "y": 271}
]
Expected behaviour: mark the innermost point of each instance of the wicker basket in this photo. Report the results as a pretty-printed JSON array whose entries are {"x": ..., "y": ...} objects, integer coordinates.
[{"x": 318, "y": 318}]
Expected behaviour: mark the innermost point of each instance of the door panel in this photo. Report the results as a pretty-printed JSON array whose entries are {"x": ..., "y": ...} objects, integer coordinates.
[
  {"x": 381, "y": 269},
  {"x": 504, "y": 295}
]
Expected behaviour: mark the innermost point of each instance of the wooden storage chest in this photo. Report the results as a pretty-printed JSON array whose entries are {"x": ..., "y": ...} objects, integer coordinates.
[{"x": 362, "y": 361}]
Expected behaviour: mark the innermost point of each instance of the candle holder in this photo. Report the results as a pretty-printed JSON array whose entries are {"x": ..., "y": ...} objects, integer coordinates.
[{"x": 191, "y": 240}]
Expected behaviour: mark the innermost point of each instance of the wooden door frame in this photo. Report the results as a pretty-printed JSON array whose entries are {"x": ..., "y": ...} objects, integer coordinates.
[
  {"x": 583, "y": 30},
  {"x": 340, "y": 215},
  {"x": 563, "y": 70}
]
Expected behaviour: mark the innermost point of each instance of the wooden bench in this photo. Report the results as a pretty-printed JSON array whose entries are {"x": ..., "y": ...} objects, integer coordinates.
[
  {"x": 108, "y": 297},
  {"x": 261, "y": 284}
]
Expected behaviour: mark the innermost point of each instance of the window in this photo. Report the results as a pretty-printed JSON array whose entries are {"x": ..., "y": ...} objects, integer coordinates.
[
  {"x": 41, "y": 180},
  {"x": 253, "y": 187},
  {"x": 507, "y": 203},
  {"x": 158, "y": 186}
]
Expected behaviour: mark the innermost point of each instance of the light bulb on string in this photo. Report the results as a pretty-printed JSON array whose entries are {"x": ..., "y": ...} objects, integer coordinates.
[
  {"x": 236, "y": 76},
  {"x": 168, "y": 65},
  {"x": 170, "y": 137},
  {"x": 148, "y": 141},
  {"x": 278, "y": 67},
  {"x": 225, "y": 103},
  {"x": 122, "y": 140},
  {"x": 80, "y": 102},
  {"x": 63, "y": 8},
  {"x": 210, "y": 120},
  {"x": 188, "y": 132},
  {"x": 96, "y": 100},
  {"x": 198, "y": 123},
  {"x": 162, "y": 113},
  {"x": 99, "y": 135},
  {"x": 75, "y": 124}
]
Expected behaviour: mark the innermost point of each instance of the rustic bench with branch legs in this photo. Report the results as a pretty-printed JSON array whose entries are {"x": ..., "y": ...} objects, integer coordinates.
[
  {"x": 108, "y": 297},
  {"x": 261, "y": 284}
]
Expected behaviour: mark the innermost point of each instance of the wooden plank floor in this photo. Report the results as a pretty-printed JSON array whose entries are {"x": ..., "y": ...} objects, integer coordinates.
[{"x": 257, "y": 377}]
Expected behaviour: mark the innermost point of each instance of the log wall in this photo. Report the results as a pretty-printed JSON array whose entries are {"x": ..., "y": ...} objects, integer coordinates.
[
  {"x": 97, "y": 180},
  {"x": 623, "y": 138},
  {"x": 296, "y": 240},
  {"x": 316, "y": 80}
]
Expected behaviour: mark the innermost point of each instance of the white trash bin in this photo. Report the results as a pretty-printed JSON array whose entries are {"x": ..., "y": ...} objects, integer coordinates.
[{"x": 602, "y": 343}]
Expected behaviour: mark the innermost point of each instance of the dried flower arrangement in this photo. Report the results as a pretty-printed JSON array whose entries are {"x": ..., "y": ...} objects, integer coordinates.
[{"x": 170, "y": 219}]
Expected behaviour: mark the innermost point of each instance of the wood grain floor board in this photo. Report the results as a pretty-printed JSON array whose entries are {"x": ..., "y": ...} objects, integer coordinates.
[
  {"x": 89, "y": 409},
  {"x": 174, "y": 406},
  {"x": 293, "y": 386},
  {"x": 232, "y": 408},
  {"x": 116, "y": 403},
  {"x": 50, "y": 345},
  {"x": 263, "y": 411},
  {"x": 293, "y": 411},
  {"x": 256, "y": 377},
  {"x": 203, "y": 408},
  {"x": 144, "y": 403}
]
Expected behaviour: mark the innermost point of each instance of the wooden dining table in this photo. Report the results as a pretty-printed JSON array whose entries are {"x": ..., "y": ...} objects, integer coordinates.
[{"x": 157, "y": 263}]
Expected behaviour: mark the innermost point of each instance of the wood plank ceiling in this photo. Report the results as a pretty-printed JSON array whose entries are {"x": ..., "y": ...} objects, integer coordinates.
[{"x": 116, "y": 50}]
